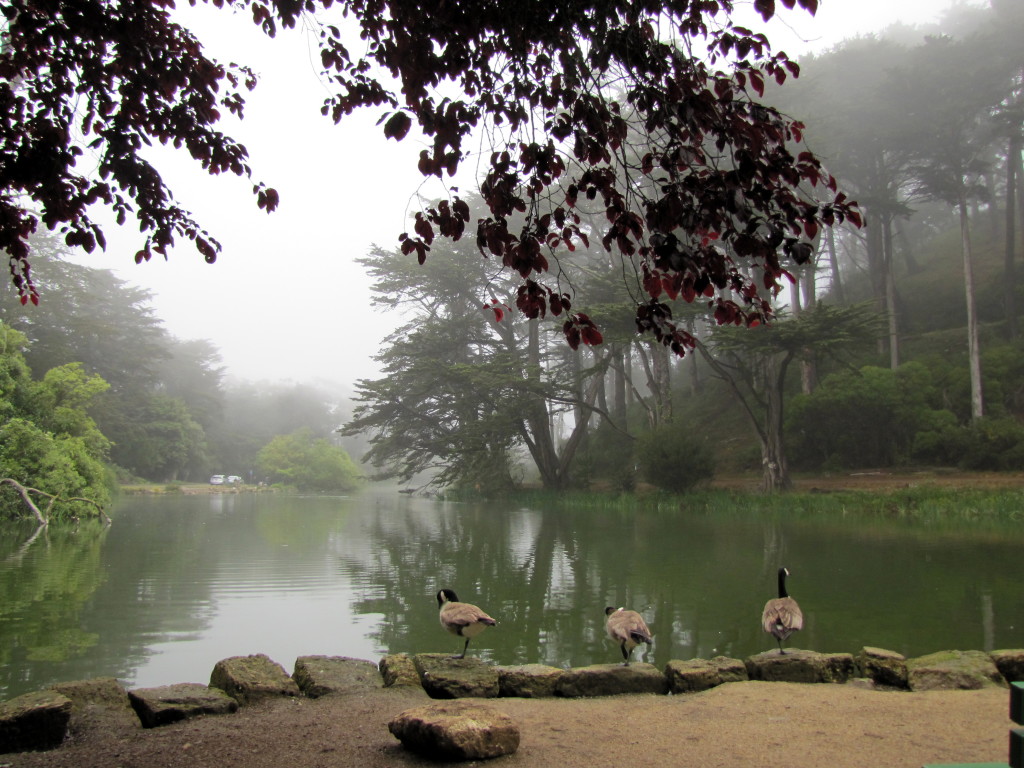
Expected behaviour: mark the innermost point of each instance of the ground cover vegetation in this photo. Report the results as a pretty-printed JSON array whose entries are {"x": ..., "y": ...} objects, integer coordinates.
[{"x": 897, "y": 344}]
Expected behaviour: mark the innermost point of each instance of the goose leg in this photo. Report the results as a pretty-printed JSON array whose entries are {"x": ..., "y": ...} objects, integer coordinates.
[{"x": 464, "y": 649}]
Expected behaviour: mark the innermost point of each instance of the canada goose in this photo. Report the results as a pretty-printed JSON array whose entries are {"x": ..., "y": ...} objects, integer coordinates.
[
  {"x": 782, "y": 616},
  {"x": 462, "y": 619},
  {"x": 628, "y": 629}
]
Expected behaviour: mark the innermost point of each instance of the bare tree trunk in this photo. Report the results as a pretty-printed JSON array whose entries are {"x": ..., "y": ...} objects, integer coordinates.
[
  {"x": 973, "y": 350},
  {"x": 890, "y": 294},
  {"x": 876, "y": 268},
  {"x": 541, "y": 440},
  {"x": 775, "y": 468},
  {"x": 808, "y": 365},
  {"x": 1010, "y": 268},
  {"x": 662, "y": 389},
  {"x": 833, "y": 265},
  {"x": 618, "y": 410}
]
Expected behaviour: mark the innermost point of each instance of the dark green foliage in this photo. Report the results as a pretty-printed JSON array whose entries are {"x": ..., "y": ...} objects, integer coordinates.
[
  {"x": 608, "y": 460},
  {"x": 993, "y": 444},
  {"x": 862, "y": 418},
  {"x": 673, "y": 459}
]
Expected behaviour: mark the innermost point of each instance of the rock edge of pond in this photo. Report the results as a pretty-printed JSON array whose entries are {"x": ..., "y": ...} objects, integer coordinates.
[{"x": 42, "y": 720}]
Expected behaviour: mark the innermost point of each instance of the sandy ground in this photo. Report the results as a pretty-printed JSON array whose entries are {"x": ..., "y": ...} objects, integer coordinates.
[{"x": 737, "y": 724}]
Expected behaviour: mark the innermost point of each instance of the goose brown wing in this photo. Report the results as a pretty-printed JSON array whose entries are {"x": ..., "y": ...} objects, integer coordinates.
[
  {"x": 464, "y": 615},
  {"x": 782, "y": 611},
  {"x": 626, "y": 625}
]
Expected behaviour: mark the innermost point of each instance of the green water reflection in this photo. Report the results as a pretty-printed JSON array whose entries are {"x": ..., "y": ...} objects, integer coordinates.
[{"x": 179, "y": 582}]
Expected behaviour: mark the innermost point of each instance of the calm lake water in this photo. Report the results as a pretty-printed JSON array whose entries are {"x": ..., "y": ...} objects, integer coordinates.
[{"x": 178, "y": 583}]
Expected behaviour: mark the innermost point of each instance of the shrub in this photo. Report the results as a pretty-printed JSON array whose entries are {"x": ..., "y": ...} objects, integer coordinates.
[
  {"x": 862, "y": 418},
  {"x": 988, "y": 444},
  {"x": 671, "y": 459}
]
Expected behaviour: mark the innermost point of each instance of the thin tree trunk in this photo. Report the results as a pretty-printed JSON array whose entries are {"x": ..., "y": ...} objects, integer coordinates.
[
  {"x": 890, "y": 294},
  {"x": 775, "y": 468},
  {"x": 662, "y": 389},
  {"x": 619, "y": 387},
  {"x": 1010, "y": 268},
  {"x": 973, "y": 350},
  {"x": 808, "y": 365},
  {"x": 833, "y": 265}
]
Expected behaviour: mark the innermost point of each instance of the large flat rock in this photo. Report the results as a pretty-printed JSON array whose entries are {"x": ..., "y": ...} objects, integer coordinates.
[
  {"x": 398, "y": 669},
  {"x": 953, "y": 670},
  {"x": 1010, "y": 663},
  {"x": 798, "y": 666},
  {"x": 34, "y": 721},
  {"x": 168, "y": 704},
  {"x": 322, "y": 675},
  {"x": 456, "y": 730},
  {"x": 98, "y": 702},
  {"x": 529, "y": 681},
  {"x": 611, "y": 680},
  {"x": 882, "y": 666},
  {"x": 444, "y": 677},
  {"x": 249, "y": 679},
  {"x": 697, "y": 675}
]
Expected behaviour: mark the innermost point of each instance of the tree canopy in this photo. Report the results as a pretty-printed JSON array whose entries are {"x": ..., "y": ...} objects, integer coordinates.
[
  {"x": 49, "y": 446},
  {"x": 643, "y": 116}
]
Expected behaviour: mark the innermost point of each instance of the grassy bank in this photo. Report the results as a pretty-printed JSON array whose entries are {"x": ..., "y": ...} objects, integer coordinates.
[{"x": 910, "y": 496}]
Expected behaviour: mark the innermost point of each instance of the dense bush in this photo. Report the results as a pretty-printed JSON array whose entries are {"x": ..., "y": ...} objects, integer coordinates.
[
  {"x": 868, "y": 417},
  {"x": 608, "y": 459},
  {"x": 672, "y": 459},
  {"x": 989, "y": 444}
]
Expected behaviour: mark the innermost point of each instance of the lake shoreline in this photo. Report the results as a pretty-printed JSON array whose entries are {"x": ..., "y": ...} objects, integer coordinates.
[{"x": 863, "y": 480}]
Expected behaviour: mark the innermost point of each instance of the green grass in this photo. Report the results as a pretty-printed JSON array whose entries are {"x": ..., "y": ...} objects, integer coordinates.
[{"x": 911, "y": 504}]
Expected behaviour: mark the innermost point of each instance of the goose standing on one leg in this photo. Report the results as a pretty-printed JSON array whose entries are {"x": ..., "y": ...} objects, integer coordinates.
[
  {"x": 627, "y": 629},
  {"x": 462, "y": 619},
  {"x": 782, "y": 616}
]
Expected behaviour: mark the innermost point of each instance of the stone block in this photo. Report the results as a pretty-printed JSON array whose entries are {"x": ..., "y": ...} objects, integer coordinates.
[
  {"x": 168, "y": 704},
  {"x": 611, "y": 680},
  {"x": 101, "y": 702},
  {"x": 1010, "y": 664},
  {"x": 249, "y": 679},
  {"x": 529, "y": 681},
  {"x": 398, "y": 669},
  {"x": 321, "y": 675},
  {"x": 697, "y": 675},
  {"x": 34, "y": 721},
  {"x": 444, "y": 677},
  {"x": 882, "y": 666},
  {"x": 839, "y": 667},
  {"x": 455, "y": 731},
  {"x": 952, "y": 670},
  {"x": 797, "y": 666}
]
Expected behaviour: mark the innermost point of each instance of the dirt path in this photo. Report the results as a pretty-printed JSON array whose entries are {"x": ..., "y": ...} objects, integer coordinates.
[{"x": 735, "y": 725}]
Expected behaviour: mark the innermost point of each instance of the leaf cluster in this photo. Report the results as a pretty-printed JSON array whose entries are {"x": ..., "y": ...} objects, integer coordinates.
[{"x": 645, "y": 114}]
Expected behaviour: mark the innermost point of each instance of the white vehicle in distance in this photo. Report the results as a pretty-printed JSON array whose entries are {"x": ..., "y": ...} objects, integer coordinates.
[
  {"x": 234, "y": 480},
  {"x": 217, "y": 480}
]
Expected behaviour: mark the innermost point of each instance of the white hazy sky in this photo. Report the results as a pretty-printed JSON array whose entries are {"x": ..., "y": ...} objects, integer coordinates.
[{"x": 285, "y": 300}]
